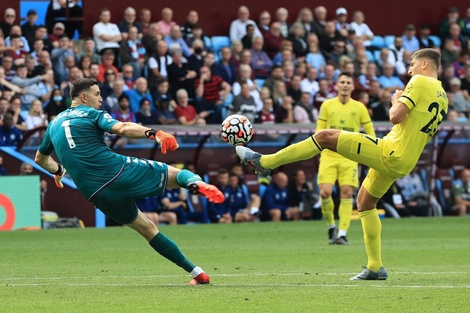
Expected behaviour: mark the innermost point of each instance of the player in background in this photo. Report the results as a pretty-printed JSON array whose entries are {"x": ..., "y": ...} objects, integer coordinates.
[
  {"x": 343, "y": 113},
  {"x": 112, "y": 181},
  {"x": 416, "y": 114}
]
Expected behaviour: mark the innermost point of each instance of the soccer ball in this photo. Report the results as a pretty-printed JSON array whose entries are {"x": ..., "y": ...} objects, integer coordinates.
[{"x": 236, "y": 129}]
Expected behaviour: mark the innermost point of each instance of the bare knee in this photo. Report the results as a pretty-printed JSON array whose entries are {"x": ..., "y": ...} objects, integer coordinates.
[
  {"x": 346, "y": 192},
  {"x": 275, "y": 215},
  {"x": 327, "y": 138}
]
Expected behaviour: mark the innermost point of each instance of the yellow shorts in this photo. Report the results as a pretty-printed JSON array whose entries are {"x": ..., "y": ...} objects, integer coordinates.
[
  {"x": 337, "y": 168},
  {"x": 376, "y": 154}
]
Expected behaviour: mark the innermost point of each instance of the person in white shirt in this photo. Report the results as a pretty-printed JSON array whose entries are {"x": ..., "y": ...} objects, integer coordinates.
[
  {"x": 35, "y": 117},
  {"x": 361, "y": 29},
  {"x": 309, "y": 84},
  {"x": 238, "y": 26},
  {"x": 107, "y": 34}
]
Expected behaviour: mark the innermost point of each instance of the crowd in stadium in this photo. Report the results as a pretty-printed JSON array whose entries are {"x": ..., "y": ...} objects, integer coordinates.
[{"x": 273, "y": 69}]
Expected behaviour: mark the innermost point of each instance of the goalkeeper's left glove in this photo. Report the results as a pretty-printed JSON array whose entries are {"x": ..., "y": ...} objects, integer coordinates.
[
  {"x": 167, "y": 141},
  {"x": 59, "y": 175}
]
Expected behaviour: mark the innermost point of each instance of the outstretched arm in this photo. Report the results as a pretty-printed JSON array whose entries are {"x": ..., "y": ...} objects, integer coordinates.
[{"x": 48, "y": 163}]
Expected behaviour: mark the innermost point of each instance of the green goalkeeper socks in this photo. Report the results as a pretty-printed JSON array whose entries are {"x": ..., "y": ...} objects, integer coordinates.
[
  {"x": 167, "y": 248},
  {"x": 185, "y": 177}
]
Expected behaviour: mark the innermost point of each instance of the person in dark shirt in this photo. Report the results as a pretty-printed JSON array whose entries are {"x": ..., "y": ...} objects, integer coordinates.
[{"x": 9, "y": 134}]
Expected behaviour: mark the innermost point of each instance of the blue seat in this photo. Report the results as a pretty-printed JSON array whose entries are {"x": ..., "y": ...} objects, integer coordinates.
[
  {"x": 207, "y": 42},
  {"x": 389, "y": 40},
  {"x": 218, "y": 42},
  {"x": 370, "y": 56},
  {"x": 260, "y": 82},
  {"x": 378, "y": 42},
  {"x": 436, "y": 40}
]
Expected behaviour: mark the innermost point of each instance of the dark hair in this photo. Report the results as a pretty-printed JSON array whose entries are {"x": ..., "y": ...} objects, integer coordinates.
[
  {"x": 430, "y": 54},
  {"x": 64, "y": 35},
  {"x": 82, "y": 85},
  {"x": 249, "y": 25},
  {"x": 161, "y": 80},
  {"x": 14, "y": 36},
  {"x": 13, "y": 98},
  {"x": 222, "y": 170},
  {"x": 143, "y": 100},
  {"x": 346, "y": 74},
  {"x": 123, "y": 96}
]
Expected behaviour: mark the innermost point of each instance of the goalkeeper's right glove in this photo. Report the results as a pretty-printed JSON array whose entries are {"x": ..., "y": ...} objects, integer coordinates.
[
  {"x": 59, "y": 175},
  {"x": 167, "y": 141}
]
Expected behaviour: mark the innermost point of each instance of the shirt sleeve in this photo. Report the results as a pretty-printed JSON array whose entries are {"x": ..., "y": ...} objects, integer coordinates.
[
  {"x": 46, "y": 147},
  {"x": 105, "y": 121},
  {"x": 413, "y": 93}
]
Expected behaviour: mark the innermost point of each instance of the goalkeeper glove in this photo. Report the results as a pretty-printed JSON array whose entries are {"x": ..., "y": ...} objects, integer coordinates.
[
  {"x": 167, "y": 141},
  {"x": 59, "y": 175}
]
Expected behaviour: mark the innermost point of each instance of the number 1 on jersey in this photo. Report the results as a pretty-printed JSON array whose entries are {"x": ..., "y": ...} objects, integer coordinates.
[{"x": 68, "y": 133}]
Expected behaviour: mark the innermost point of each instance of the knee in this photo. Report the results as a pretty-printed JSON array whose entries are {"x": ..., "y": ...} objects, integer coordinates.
[
  {"x": 347, "y": 194},
  {"x": 325, "y": 194}
]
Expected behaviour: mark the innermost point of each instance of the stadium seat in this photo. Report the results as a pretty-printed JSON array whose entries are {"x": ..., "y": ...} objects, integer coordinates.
[
  {"x": 377, "y": 54},
  {"x": 197, "y": 203},
  {"x": 370, "y": 56},
  {"x": 211, "y": 173},
  {"x": 260, "y": 82},
  {"x": 389, "y": 39},
  {"x": 378, "y": 42},
  {"x": 444, "y": 187},
  {"x": 218, "y": 42},
  {"x": 251, "y": 182},
  {"x": 207, "y": 42},
  {"x": 436, "y": 40}
]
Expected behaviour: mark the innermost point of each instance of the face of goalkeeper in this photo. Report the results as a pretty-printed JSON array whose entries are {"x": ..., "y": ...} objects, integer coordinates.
[{"x": 92, "y": 98}]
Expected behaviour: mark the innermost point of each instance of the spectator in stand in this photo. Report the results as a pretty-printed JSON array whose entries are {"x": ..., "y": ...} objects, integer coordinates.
[
  {"x": 276, "y": 202},
  {"x": 56, "y": 105},
  {"x": 403, "y": 66},
  {"x": 309, "y": 84},
  {"x": 243, "y": 103},
  {"x": 279, "y": 92},
  {"x": 161, "y": 94},
  {"x": 95, "y": 71},
  {"x": 107, "y": 64},
  {"x": 389, "y": 81},
  {"x": 58, "y": 56},
  {"x": 224, "y": 67},
  {"x": 211, "y": 91},
  {"x": 237, "y": 200},
  {"x": 106, "y": 87},
  {"x": 197, "y": 34},
  {"x": 145, "y": 18},
  {"x": 111, "y": 103},
  {"x": 36, "y": 118},
  {"x": 41, "y": 34},
  {"x": 89, "y": 50},
  {"x": 3, "y": 170},
  {"x": 315, "y": 58},
  {"x": 180, "y": 75},
  {"x": 423, "y": 37},
  {"x": 192, "y": 19},
  {"x": 273, "y": 40},
  {"x": 128, "y": 22},
  {"x": 289, "y": 71},
  {"x": 322, "y": 94},
  {"x": 84, "y": 65},
  {"x": 9, "y": 134},
  {"x": 284, "y": 113},
  {"x": 166, "y": 22},
  {"x": 459, "y": 64},
  {"x": 263, "y": 22},
  {"x": 15, "y": 110},
  {"x": 319, "y": 21},
  {"x": 4, "y": 78},
  {"x": 305, "y": 18},
  {"x": 247, "y": 40},
  {"x": 461, "y": 193},
  {"x": 107, "y": 35},
  {"x": 38, "y": 47},
  {"x": 123, "y": 112},
  {"x": 146, "y": 115},
  {"x": 185, "y": 113},
  {"x": 410, "y": 42},
  {"x": 282, "y": 15},
  {"x": 285, "y": 54},
  {"x": 16, "y": 30},
  {"x": 338, "y": 52},
  {"x": 57, "y": 32},
  {"x": 294, "y": 90},
  {"x": 386, "y": 56},
  {"x": 266, "y": 115},
  {"x": 276, "y": 75},
  {"x": 458, "y": 101},
  {"x": 448, "y": 53},
  {"x": 452, "y": 17},
  {"x": 237, "y": 50},
  {"x": 74, "y": 74},
  {"x": 9, "y": 18},
  {"x": 140, "y": 91},
  {"x": 32, "y": 87},
  {"x": 342, "y": 25},
  {"x": 158, "y": 63},
  {"x": 448, "y": 72},
  {"x": 151, "y": 38},
  {"x": 378, "y": 110},
  {"x": 296, "y": 35},
  {"x": 465, "y": 82},
  {"x": 304, "y": 112},
  {"x": 238, "y": 26},
  {"x": 458, "y": 40},
  {"x": 260, "y": 61},
  {"x": 16, "y": 50},
  {"x": 151, "y": 208},
  {"x": 245, "y": 76},
  {"x": 176, "y": 37},
  {"x": 4, "y": 105},
  {"x": 196, "y": 60},
  {"x": 361, "y": 29},
  {"x": 133, "y": 52},
  {"x": 370, "y": 75},
  {"x": 219, "y": 213}
]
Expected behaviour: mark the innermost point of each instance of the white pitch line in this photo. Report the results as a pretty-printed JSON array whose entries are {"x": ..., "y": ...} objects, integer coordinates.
[{"x": 359, "y": 284}]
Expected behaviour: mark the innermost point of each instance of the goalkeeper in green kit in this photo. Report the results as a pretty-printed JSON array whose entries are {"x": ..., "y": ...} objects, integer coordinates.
[{"x": 112, "y": 181}]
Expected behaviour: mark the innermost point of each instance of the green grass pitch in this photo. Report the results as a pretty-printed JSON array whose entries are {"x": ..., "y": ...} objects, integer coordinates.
[{"x": 256, "y": 267}]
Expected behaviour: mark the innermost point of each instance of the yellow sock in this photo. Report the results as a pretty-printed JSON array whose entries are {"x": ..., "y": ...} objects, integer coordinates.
[
  {"x": 327, "y": 207},
  {"x": 372, "y": 228},
  {"x": 302, "y": 150},
  {"x": 345, "y": 211}
]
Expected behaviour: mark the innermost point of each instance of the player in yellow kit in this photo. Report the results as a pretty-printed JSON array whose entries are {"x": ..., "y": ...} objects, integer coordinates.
[
  {"x": 416, "y": 114},
  {"x": 343, "y": 113}
]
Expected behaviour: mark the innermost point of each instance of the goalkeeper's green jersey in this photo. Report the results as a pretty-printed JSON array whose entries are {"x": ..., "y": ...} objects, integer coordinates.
[{"x": 77, "y": 136}]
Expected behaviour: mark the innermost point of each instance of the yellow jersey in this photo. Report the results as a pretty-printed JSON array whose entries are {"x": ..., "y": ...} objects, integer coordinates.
[
  {"x": 349, "y": 116},
  {"x": 428, "y": 105}
]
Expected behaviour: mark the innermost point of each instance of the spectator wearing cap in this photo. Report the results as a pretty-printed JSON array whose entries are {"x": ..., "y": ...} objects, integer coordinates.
[
  {"x": 9, "y": 18},
  {"x": 452, "y": 17},
  {"x": 28, "y": 28},
  {"x": 410, "y": 42},
  {"x": 423, "y": 37},
  {"x": 341, "y": 22},
  {"x": 57, "y": 31}
]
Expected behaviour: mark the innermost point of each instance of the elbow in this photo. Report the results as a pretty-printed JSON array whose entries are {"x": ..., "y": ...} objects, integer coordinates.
[{"x": 395, "y": 119}]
